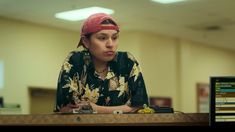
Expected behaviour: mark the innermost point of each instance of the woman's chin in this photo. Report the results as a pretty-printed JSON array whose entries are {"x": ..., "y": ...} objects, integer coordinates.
[{"x": 109, "y": 58}]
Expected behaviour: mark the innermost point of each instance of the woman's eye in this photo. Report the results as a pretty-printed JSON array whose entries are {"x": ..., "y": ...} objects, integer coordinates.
[
  {"x": 101, "y": 38},
  {"x": 114, "y": 38}
]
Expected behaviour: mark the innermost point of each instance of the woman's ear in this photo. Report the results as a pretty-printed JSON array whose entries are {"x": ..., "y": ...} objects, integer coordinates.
[{"x": 85, "y": 42}]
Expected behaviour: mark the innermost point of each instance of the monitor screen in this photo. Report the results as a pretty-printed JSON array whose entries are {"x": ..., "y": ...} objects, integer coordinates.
[{"x": 222, "y": 100}]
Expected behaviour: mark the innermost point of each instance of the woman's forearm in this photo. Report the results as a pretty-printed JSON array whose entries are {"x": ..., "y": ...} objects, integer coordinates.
[{"x": 111, "y": 109}]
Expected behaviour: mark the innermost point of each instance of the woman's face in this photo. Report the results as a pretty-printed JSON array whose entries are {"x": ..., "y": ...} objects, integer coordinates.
[{"x": 103, "y": 45}]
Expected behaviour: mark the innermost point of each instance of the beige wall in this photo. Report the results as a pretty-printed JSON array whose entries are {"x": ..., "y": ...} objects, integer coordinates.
[
  {"x": 33, "y": 55},
  {"x": 198, "y": 63},
  {"x": 171, "y": 67}
]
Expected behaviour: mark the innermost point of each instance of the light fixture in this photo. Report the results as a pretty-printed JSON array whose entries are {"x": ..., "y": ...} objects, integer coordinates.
[
  {"x": 80, "y": 14},
  {"x": 167, "y": 1}
]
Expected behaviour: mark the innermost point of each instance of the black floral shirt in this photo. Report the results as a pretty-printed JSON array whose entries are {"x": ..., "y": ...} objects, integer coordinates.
[{"x": 123, "y": 84}]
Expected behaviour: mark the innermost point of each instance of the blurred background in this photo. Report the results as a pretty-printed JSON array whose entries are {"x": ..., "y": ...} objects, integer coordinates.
[{"x": 178, "y": 45}]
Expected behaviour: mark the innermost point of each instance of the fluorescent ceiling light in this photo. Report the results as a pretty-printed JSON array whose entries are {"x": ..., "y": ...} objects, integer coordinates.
[
  {"x": 167, "y": 1},
  {"x": 80, "y": 14}
]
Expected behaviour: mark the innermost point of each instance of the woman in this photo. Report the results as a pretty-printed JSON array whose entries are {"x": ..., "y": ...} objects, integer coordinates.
[{"x": 99, "y": 76}]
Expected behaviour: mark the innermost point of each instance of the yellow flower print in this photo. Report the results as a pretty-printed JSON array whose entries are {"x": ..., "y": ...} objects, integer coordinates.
[
  {"x": 68, "y": 57},
  {"x": 107, "y": 100},
  {"x": 128, "y": 102},
  {"x": 91, "y": 95},
  {"x": 67, "y": 66},
  {"x": 110, "y": 75},
  {"x": 130, "y": 56},
  {"x": 121, "y": 87},
  {"x": 87, "y": 92},
  {"x": 135, "y": 71},
  {"x": 113, "y": 84},
  {"x": 84, "y": 75},
  {"x": 72, "y": 84},
  {"x": 76, "y": 97},
  {"x": 81, "y": 86},
  {"x": 126, "y": 87}
]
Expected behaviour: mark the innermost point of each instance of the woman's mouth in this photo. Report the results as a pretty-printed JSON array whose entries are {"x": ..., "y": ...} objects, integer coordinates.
[{"x": 109, "y": 53}]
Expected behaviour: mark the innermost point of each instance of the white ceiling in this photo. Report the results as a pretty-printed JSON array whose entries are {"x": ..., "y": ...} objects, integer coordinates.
[{"x": 188, "y": 20}]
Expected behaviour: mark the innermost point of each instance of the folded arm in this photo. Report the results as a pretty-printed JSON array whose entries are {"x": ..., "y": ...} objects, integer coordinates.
[{"x": 111, "y": 109}]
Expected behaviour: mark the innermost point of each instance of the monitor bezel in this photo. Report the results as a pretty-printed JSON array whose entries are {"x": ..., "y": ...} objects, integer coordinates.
[{"x": 213, "y": 79}]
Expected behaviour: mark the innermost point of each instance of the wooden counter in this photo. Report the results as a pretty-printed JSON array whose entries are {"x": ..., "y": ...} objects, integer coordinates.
[{"x": 107, "y": 119}]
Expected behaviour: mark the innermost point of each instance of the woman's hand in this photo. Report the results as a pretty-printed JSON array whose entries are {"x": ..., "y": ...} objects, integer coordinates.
[
  {"x": 69, "y": 108},
  {"x": 82, "y": 105},
  {"x": 94, "y": 106}
]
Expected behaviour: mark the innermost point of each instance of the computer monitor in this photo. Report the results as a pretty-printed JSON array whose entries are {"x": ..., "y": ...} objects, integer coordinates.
[{"x": 222, "y": 100}]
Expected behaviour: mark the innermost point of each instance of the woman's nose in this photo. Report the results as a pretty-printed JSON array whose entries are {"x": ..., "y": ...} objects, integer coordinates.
[{"x": 109, "y": 43}]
